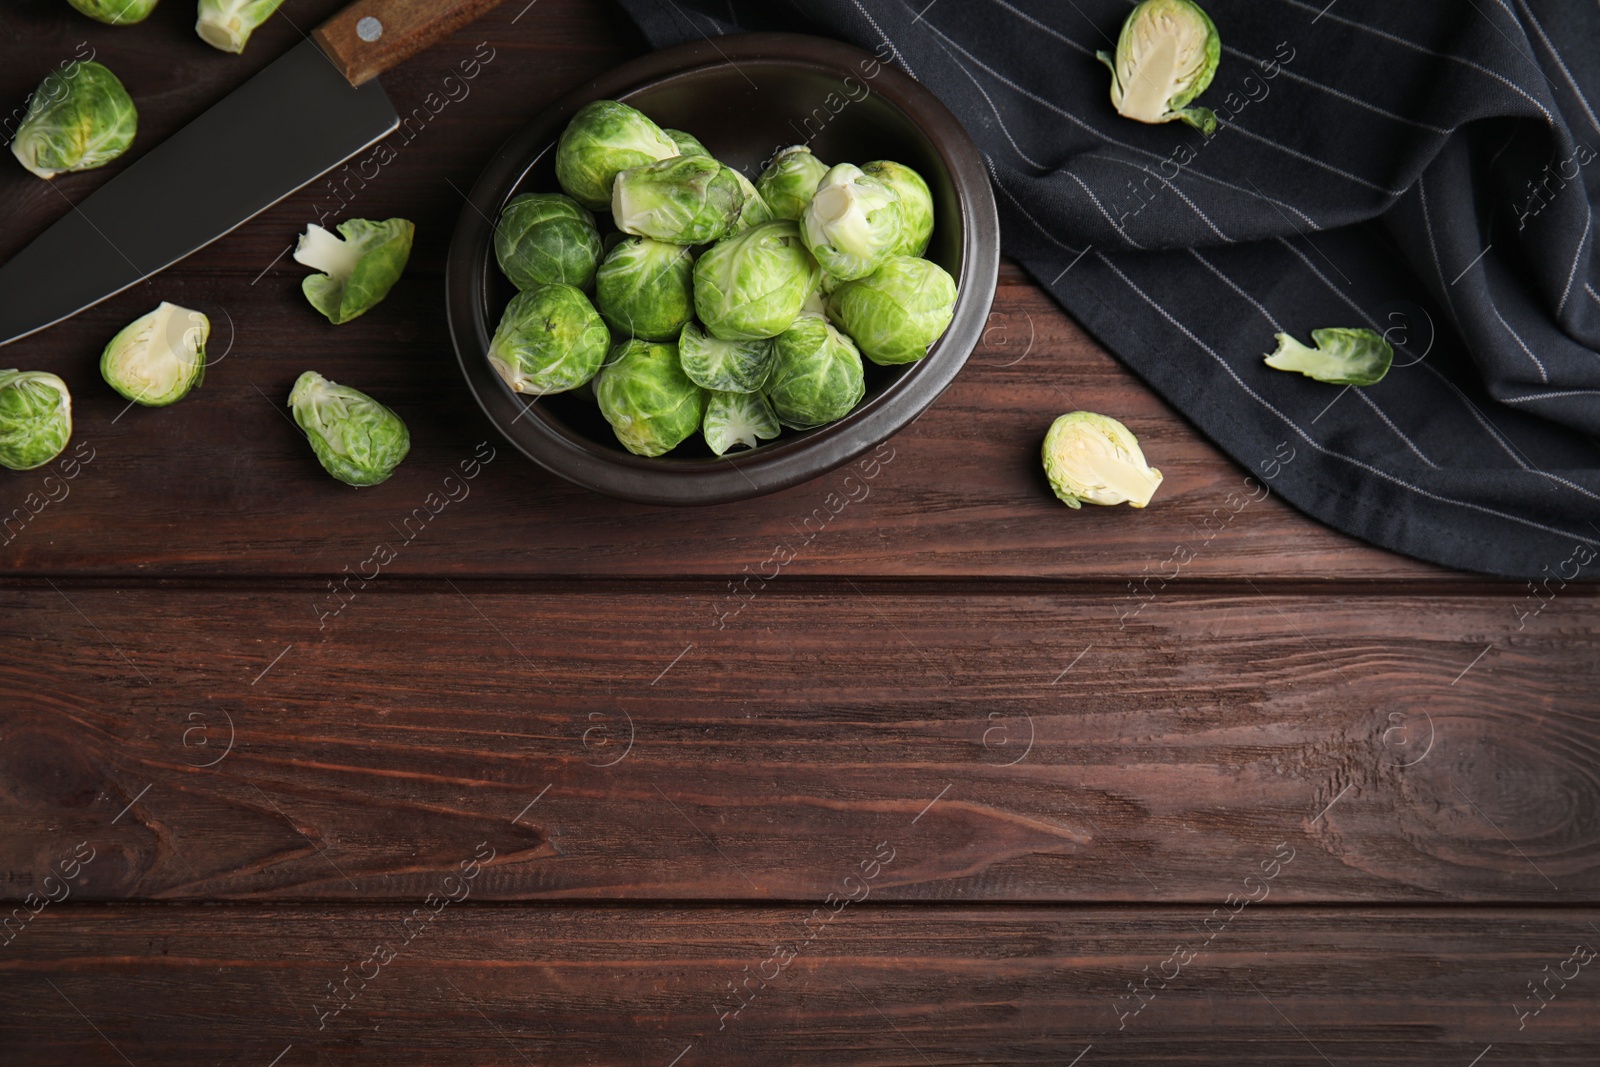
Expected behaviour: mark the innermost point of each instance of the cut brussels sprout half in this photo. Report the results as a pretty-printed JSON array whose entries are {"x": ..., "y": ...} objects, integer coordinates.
[
  {"x": 604, "y": 139},
  {"x": 688, "y": 144},
  {"x": 156, "y": 359},
  {"x": 790, "y": 181},
  {"x": 645, "y": 289},
  {"x": 1167, "y": 54},
  {"x": 916, "y": 204},
  {"x": 549, "y": 340},
  {"x": 753, "y": 284},
  {"x": 35, "y": 418},
  {"x": 356, "y": 439},
  {"x": 1343, "y": 356},
  {"x": 115, "y": 12},
  {"x": 545, "y": 239},
  {"x": 853, "y": 223},
  {"x": 896, "y": 313},
  {"x": 817, "y": 375},
  {"x": 228, "y": 24},
  {"x": 724, "y": 366},
  {"x": 358, "y": 270},
  {"x": 1092, "y": 458},
  {"x": 651, "y": 404},
  {"x": 79, "y": 118},
  {"x": 738, "y": 419},
  {"x": 685, "y": 200}
]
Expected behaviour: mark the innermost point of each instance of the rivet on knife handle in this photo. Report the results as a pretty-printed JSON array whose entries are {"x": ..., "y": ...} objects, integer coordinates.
[{"x": 370, "y": 36}]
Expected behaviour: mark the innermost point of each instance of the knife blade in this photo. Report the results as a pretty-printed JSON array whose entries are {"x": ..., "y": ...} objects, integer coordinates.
[{"x": 304, "y": 115}]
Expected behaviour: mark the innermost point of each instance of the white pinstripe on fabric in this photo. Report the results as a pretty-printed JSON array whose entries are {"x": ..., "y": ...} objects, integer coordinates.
[
  {"x": 1192, "y": 205},
  {"x": 1113, "y": 223},
  {"x": 1052, "y": 238},
  {"x": 1543, "y": 377},
  {"x": 901, "y": 56},
  {"x": 1339, "y": 93},
  {"x": 1233, "y": 124},
  {"x": 1577, "y": 257},
  {"x": 1550, "y": 396},
  {"x": 999, "y": 120},
  {"x": 1565, "y": 73}
]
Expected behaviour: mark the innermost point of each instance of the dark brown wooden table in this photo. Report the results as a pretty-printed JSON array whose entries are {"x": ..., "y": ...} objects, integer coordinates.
[{"x": 973, "y": 779}]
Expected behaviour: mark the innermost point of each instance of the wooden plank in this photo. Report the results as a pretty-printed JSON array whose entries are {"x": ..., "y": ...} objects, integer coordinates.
[
  {"x": 621, "y": 745},
  {"x": 932, "y": 985}
]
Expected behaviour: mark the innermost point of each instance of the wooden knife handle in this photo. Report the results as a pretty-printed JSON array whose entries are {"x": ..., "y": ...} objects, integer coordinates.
[{"x": 370, "y": 36}]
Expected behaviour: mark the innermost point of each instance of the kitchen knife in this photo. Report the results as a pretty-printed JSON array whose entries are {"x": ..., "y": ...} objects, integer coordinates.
[{"x": 301, "y": 117}]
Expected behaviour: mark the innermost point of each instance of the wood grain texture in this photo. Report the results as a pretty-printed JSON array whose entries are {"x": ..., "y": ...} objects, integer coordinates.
[
  {"x": 398, "y": 30},
  {"x": 617, "y": 745},
  {"x": 937, "y": 985}
]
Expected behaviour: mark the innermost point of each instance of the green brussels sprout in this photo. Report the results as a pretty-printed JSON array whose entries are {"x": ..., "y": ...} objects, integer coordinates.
[
  {"x": 228, "y": 24},
  {"x": 685, "y": 200},
  {"x": 688, "y": 144},
  {"x": 115, "y": 12},
  {"x": 724, "y": 366},
  {"x": 1343, "y": 356},
  {"x": 916, "y": 204},
  {"x": 356, "y": 439},
  {"x": 753, "y": 210},
  {"x": 546, "y": 238},
  {"x": 35, "y": 418},
  {"x": 156, "y": 359},
  {"x": 853, "y": 223},
  {"x": 648, "y": 400},
  {"x": 358, "y": 270},
  {"x": 1167, "y": 54},
  {"x": 790, "y": 181},
  {"x": 645, "y": 289},
  {"x": 817, "y": 374},
  {"x": 738, "y": 419},
  {"x": 604, "y": 139},
  {"x": 1093, "y": 458},
  {"x": 753, "y": 284},
  {"x": 898, "y": 311},
  {"x": 549, "y": 340},
  {"x": 79, "y": 118}
]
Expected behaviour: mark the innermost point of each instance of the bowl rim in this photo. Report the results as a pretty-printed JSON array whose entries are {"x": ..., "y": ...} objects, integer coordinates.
[{"x": 664, "y": 480}]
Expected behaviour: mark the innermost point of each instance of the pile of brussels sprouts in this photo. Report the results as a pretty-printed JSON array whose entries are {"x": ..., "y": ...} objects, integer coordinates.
[{"x": 720, "y": 306}]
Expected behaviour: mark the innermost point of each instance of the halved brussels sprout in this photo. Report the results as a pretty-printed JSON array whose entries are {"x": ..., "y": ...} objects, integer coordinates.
[
  {"x": 549, "y": 340},
  {"x": 156, "y": 359},
  {"x": 817, "y": 374},
  {"x": 1093, "y": 458},
  {"x": 228, "y": 24},
  {"x": 356, "y": 439},
  {"x": 916, "y": 204},
  {"x": 1343, "y": 356},
  {"x": 116, "y": 12},
  {"x": 738, "y": 419},
  {"x": 898, "y": 311},
  {"x": 645, "y": 289},
  {"x": 685, "y": 200},
  {"x": 547, "y": 238},
  {"x": 790, "y": 181},
  {"x": 604, "y": 139},
  {"x": 753, "y": 284},
  {"x": 853, "y": 222},
  {"x": 688, "y": 144},
  {"x": 648, "y": 400},
  {"x": 1167, "y": 54},
  {"x": 724, "y": 366},
  {"x": 35, "y": 418},
  {"x": 358, "y": 270},
  {"x": 753, "y": 210},
  {"x": 79, "y": 118}
]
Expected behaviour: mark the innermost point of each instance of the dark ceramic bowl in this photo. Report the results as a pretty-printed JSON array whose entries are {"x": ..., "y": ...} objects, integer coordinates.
[{"x": 744, "y": 96}]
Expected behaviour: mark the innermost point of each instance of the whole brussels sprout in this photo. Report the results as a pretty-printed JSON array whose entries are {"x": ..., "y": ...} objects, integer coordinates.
[
  {"x": 817, "y": 374},
  {"x": 738, "y": 419},
  {"x": 648, "y": 400},
  {"x": 357, "y": 271},
  {"x": 228, "y": 24},
  {"x": 549, "y": 340},
  {"x": 685, "y": 200},
  {"x": 1167, "y": 54},
  {"x": 645, "y": 289},
  {"x": 753, "y": 210},
  {"x": 356, "y": 439},
  {"x": 853, "y": 223},
  {"x": 1093, "y": 458},
  {"x": 79, "y": 118},
  {"x": 688, "y": 144},
  {"x": 604, "y": 139},
  {"x": 753, "y": 284},
  {"x": 916, "y": 204},
  {"x": 35, "y": 418},
  {"x": 156, "y": 359},
  {"x": 546, "y": 238},
  {"x": 115, "y": 12},
  {"x": 724, "y": 366},
  {"x": 790, "y": 181},
  {"x": 896, "y": 312}
]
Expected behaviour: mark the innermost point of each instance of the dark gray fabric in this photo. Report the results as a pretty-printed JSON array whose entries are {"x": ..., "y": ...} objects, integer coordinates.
[{"x": 1426, "y": 169}]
